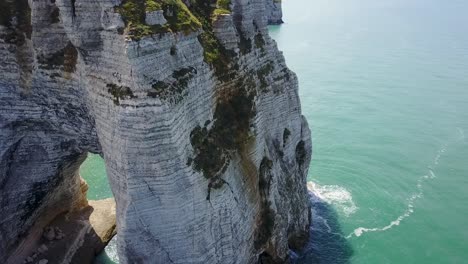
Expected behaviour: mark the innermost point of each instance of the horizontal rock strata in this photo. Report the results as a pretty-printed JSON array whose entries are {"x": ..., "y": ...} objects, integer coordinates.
[
  {"x": 198, "y": 120},
  {"x": 274, "y": 12}
]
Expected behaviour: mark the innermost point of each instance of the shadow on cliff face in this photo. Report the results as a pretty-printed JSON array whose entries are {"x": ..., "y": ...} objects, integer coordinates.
[{"x": 327, "y": 244}]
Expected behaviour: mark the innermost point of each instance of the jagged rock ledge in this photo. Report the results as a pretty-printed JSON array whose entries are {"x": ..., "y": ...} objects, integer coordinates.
[
  {"x": 274, "y": 12},
  {"x": 73, "y": 237}
]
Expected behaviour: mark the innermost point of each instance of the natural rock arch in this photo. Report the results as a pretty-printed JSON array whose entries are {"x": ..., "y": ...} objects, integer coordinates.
[{"x": 73, "y": 82}]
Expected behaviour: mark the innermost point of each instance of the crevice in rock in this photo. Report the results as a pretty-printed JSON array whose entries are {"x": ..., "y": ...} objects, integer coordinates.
[
  {"x": 301, "y": 153},
  {"x": 73, "y": 8},
  {"x": 266, "y": 217}
]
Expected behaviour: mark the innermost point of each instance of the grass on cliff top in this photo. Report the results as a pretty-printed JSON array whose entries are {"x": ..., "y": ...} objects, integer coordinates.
[
  {"x": 214, "y": 52},
  {"x": 178, "y": 16},
  {"x": 152, "y": 5},
  {"x": 222, "y": 8}
]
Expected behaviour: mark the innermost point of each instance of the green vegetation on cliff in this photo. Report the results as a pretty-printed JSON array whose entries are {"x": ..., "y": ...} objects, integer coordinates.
[
  {"x": 179, "y": 18},
  {"x": 222, "y": 7},
  {"x": 214, "y": 52}
]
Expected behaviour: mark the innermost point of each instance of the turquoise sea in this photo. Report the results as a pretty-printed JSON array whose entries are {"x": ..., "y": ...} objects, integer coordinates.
[{"x": 384, "y": 85}]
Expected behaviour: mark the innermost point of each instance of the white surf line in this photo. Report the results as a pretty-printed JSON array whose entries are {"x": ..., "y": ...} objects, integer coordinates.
[
  {"x": 462, "y": 134},
  {"x": 410, "y": 208}
]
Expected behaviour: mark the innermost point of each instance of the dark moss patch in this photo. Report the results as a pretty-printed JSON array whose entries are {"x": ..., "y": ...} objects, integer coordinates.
[
  {"x": 264, "y": 176},
  {"x": 210, "y": 158},
  {"x": 121, "y": 30},
  {"x": 176, "y": 90},
  {"x": 262, "y": 73},
  {"x": 20, "y": 12},
  {"x": 266, "y": 224},
  {"x": 259, "y": 41},
  {"x": 55, "y": 15},
  {"x": 245, "y": 44},
  {"x": 213, "y": 146},
  {"x": 301, "y": 153},
  {"x": 173, "y": 51},
  {"x": 233, "y": 117},
  {"x": 266, "y": 216},
  {"x": 296, "y": 241},
  {"x": 223, "y": 4},
  {"x": 70, "y": 58},
  {"x": 160, "y": 88},
  {"x": 183, "y": 76},
  {"x": 66, "y": 57},
  {"x": 286, "y": 135},
  {"x": 119, "y": 92}
]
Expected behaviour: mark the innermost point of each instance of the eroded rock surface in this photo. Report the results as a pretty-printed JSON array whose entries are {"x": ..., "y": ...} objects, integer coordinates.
[
  {"x": 274, "y": 12},
  {"x": 198, "y": 120},
  {"x": 74, "y": 237}
]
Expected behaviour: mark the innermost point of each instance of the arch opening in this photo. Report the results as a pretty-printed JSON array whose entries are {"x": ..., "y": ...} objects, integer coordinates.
[{"x": 93, "y": 171}]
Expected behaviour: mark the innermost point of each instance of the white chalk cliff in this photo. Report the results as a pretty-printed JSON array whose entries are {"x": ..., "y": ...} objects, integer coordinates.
[
  {"x": 190, "y": 104},
  {"x": 274, "y": 12}
]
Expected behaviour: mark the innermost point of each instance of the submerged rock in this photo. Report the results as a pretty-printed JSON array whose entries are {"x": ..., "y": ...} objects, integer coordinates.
[{"x": 190, "y": 117}]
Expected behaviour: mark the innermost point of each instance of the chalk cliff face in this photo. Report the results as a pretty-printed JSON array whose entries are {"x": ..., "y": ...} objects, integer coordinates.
[
  {"x": 274, "y": 12},
  {"x": 189, "y": 102}
]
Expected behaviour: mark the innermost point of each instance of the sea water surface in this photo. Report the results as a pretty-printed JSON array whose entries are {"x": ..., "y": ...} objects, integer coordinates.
[{"x": 384, "y": 85}]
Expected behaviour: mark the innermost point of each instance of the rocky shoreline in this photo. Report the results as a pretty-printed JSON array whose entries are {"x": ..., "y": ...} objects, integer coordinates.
[{"x": 76, "y": 237}]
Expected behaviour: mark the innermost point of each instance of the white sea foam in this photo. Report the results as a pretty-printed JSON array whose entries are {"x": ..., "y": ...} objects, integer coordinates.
[
  {"x": 111, "y": 250},
  {"x": 439, "y": 155},
  {"x": 409, "y": 210},
  {"x": 335, "y": 195},
  {"x": 462, "y": 134},
  {"x": 418, "y": 194}
]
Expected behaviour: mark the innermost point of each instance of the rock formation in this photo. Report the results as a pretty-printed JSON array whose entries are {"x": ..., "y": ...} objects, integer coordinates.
[
  {"x": 189, "y": 102},
  {"x": 76, "y": 237},
  {"x": 274, "y": 12}
]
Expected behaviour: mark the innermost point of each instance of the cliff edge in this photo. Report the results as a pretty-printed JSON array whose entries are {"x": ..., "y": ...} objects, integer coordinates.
[
  {"x": 274, "y": 12},
  {"x": 190, "y": 104}
]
